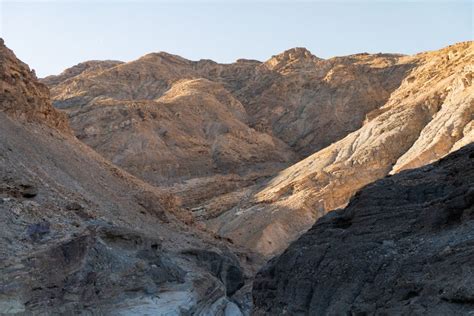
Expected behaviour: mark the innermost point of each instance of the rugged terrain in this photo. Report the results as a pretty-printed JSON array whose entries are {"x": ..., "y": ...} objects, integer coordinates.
[
  {"x": 192, "y": 166},
  {"x": 428, "y": 116},
  {"x": 215, "y": 134},
  {"x": 294, "y": 96},
  {"x": 212, "y": 131},
  {"x": 403, "y": 246},
  {"x": 78, "y": 234}
]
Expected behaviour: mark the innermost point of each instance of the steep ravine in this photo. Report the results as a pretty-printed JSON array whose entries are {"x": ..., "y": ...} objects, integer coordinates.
[{"x": 162, "y": 185}]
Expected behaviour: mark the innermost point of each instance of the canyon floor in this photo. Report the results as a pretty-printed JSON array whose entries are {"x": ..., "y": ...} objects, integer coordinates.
[{"x": 163, "y": 185}]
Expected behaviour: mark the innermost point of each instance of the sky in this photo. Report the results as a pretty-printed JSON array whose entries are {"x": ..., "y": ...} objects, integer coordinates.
[{"x": 51, "y": 36}]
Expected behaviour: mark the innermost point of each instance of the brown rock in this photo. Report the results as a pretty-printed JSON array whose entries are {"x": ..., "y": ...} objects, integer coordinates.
[
  {"x": 422, "y": 121},
  {"x": 94, "y": 239}
]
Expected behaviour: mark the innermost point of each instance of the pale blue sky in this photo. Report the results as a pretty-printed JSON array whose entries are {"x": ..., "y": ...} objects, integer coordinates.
[{"x": 51, "y": 36}]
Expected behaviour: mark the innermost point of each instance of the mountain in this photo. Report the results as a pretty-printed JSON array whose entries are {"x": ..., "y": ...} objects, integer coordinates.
[
  {"x": 158, "y": 120},
  {"x": 150, "y": 185},
  {"x": 284, "y": 96},
  {"x": 80, "y": 235},
  {"x": 403, "y": 246},
  {"x": 428, "y": 116},
  {"x": 222, "y": 137},
  {"x": 213, "y": 133}
]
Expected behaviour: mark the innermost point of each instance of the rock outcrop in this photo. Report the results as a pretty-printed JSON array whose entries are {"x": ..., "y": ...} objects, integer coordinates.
[
  {"x": 403, "y": 246},
  {"x": 80, "y": 235},
  {"x": 294, "y": 96},
  {"x": 22, "y": 96},
  {"x": 309, "y": 103},
  {"x": 427, "y": 117}
]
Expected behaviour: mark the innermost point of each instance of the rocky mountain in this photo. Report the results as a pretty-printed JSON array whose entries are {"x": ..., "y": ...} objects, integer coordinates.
[
  {"x": 23, "y": 98},
  {"x": 158, "y": 120},
  {"x": 149, "y": 187},
  {"x": 220, "y": 136},
  {"x": 211, "y": 132},
  {"x": 309, "y": 103},
  {"x": 428, "y": 116},
  {"x": 284, "y": 96},
  {"x": 80, "y": 235},
  {"x": 403, "y": 246}
]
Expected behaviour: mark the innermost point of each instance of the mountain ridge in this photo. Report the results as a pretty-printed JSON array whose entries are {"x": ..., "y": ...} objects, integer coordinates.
[{"x": 349, "y": 110}]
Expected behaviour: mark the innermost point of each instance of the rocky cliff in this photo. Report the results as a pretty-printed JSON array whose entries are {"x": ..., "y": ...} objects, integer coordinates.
[
  {"x": 403, "y": 246},
  {"x": 79, "y": 235}
]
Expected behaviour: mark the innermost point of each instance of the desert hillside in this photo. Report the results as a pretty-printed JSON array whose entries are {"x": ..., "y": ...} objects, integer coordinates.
[
  {"x": 79, "y": 235},
  {"x": 428, "y": 116},
  {"x": 161, "y": 185},
  {"x": 220, "y": 136}
]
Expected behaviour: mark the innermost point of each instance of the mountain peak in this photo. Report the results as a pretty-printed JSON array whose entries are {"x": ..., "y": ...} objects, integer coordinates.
[
  {"x": 166, "y": 57},
  {"x": 294, "y": 58}
]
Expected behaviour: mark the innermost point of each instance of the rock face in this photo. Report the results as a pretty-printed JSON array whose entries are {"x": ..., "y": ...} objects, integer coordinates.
[
  {"x": 86, "y": 68},
  {"x": 403, "y": 245},
  {"x": 196, "y": 129},
  {"x": 428, "y": 116},
  {"x": 22, "y": 97},
  {"x": 294, "y": 96},
  {"x": 310, "y": 103},
  {"x": 79, "y": 235}
]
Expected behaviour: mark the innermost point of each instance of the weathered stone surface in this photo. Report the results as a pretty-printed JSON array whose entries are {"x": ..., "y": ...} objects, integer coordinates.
[
  {"x": 80, "y": 235},
  {"x": 214, "y": 135},
  {"x": 213, "y": 130},
  {"x": 216, "y": 141},
  {"x": 309, "y": 103},
  {"x": 22, "y": 96},
  {"x": 226, "y": 268},
  {"x": 197, "y": 129},
  {"x": 428, "y": 116},
  {"x": 403, "y": 246}
]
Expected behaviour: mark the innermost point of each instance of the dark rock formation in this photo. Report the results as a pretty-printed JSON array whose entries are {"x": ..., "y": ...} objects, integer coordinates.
[
  {"x": 403, "y": 246},
  {"x": 225, "y": 267}
]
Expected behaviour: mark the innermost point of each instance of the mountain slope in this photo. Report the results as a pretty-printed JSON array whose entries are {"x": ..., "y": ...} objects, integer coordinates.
[
  {"x": 195, "y": 129},
  {"x": 284, "y": 97},
  {"x": 361, "y": 116},
  {"x": 403, "y": 245},
  {"x": 427, "y": 117},
  {"x": 227, "y": 127},
  {"x": 80, "y": 235},
  {"x": 310, "y": 103}
]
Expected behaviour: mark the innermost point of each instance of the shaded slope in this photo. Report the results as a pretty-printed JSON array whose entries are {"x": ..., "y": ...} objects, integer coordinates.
[{"x": 403, "y": 245}]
